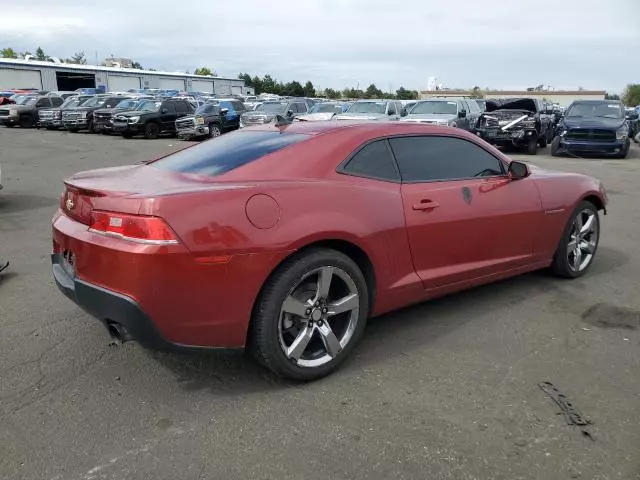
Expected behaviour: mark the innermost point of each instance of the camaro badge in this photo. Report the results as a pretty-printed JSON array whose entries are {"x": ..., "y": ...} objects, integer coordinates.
[{"x": 69, "y": 204}]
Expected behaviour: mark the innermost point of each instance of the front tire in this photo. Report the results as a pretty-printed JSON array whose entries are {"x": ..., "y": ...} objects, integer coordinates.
[
  {"x": 214, "y": 130},
  {"x": 310, "y": 315},
  {"x": 151, "y": 131},
  {"x": 579, "y": 242},
  {"x": 625, "y": 150},
  {"x": 532, "y": 147},
  {"x": 26, "y": 121}
]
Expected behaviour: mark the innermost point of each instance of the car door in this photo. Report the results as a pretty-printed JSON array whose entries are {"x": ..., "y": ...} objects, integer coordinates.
[
  {"x": 465, "y": 218},
  {"x": 168, "y": 116},
  {"x": 231, "y": 117}
]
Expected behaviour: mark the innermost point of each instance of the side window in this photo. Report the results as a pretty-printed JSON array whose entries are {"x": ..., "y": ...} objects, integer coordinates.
[
  {"x": 238, "y": 106},
  {"x": 462, "y": 105},
  {"x": 57, "y": 101},
  {"x": 302, "y": 107},
  {"x": 473, "y": 106},
  {"x": 181, "y": 107},
  {"x": 373, "y": 161},
  {"x": 169, "y": 107},
  {"x": 425, "y": 159},
  {"x": 43, "y": 102},
  {"x": 392, "y": 108}
]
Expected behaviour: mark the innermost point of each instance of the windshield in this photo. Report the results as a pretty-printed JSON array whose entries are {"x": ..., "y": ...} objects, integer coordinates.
[
  {"x": 272, "y": 107},
  {"x": 71, "y": 102},
  {"x": 206, "y": 108},
  {"x": 149, "y": 106},
  {"x": 435, "y": 108},
  {"x": 326, "y": 108},
  {"x": 604, "y": 109},
  {"x": 368, "y": 107},
  {"x": 127, "y": 104},
  {"x": 94, "y": 102}
]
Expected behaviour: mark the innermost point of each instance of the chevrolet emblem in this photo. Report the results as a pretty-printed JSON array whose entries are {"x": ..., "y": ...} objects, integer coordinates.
[{"x": 69, "y": 204}]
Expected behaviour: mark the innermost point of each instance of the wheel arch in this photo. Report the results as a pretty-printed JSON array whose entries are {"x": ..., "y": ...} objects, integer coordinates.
[
  {"x": 596, "y": 200},
  {"x": 347, "y": 247}
]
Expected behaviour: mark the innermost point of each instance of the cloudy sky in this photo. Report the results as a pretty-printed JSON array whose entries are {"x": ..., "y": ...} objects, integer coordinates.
[{"x": 343, "y": 43}]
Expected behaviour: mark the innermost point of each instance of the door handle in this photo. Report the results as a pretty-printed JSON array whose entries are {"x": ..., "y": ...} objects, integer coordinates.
[{"x": 425, "y": 204}]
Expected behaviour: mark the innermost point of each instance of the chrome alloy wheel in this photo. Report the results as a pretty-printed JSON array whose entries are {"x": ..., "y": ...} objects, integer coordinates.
[
  {"x": 583, "y": 240},
  {"x": 318, "y": 317}
]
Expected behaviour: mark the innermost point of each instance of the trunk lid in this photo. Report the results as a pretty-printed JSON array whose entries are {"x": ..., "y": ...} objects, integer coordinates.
[{"x": 131, "y": 189}]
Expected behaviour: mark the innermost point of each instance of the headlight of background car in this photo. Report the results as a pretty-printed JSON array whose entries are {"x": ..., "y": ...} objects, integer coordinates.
[
  {"x": 133, "y": 119},
  {"x": 622, "y": 133},
  {"x": 200, "y": 120},
  {"x": 56, "y": 114},
  {"x": 83, "y": 114}
]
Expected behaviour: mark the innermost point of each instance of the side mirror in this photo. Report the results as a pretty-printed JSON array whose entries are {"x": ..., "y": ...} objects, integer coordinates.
[
  {"x": 462, "y": 113},
  {"x": 391, "y": 112},
  {"x": 224, "y": 111},
  {"x": 164, "y": 110},
  {"x": 518, "y": 170},
  {"x": 289, "y": 113},
  {"x": 404, "y": 112},
  {"x": 632, "y": 116}
]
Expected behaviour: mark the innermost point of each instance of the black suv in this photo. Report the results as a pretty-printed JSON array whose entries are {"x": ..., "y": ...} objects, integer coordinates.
[
  {"x": 103, "y": 117},
  {"x": 81, "y": 117},
  {"x": 152, "y": 117},
  {"x": 212, "y": 119},
  {"x": 516, "y": 121}
]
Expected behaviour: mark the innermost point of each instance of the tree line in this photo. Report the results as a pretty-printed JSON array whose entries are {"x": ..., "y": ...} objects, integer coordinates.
[{"x": 268, "y": 84}]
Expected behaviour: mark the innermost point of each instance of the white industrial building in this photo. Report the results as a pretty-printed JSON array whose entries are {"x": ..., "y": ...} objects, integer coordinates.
[{"x": 52, "y": 76}]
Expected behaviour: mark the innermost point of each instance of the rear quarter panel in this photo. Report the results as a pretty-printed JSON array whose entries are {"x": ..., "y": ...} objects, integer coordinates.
[{"x": 561, "y": 193}]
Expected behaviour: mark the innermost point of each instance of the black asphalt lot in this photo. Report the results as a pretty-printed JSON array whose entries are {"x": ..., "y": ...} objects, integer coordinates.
[{"x": 443, "y": 390}]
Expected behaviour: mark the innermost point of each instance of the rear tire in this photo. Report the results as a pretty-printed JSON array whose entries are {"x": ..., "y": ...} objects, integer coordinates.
[
  {"x": 532, "y": 147},
  {"x": 575, "y": 238},
  {"x": 542, "y": 142},
  {"x": 127, "y": 135},
  {"x": 73, "y": 130},
  {"x": 324, "y": 340},
  {"x": 9, "y": 125},
  {"x": 151, "y": 131},
  {"x": 555, "y": 147},
  {"x": 91, "y": 127}
]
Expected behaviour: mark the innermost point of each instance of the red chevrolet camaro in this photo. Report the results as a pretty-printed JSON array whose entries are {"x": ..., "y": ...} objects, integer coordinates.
[{"x": 285, "y": 239}]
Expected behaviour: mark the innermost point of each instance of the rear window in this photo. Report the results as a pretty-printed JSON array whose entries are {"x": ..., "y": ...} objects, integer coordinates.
[{"x": 227, "y": 152}]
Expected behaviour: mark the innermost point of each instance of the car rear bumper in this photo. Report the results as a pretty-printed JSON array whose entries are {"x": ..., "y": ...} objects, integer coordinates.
[
  {"x": 117, "y": 312},
  {"x": 593, "y": 147},
  {"x": 163, "y": 296}
]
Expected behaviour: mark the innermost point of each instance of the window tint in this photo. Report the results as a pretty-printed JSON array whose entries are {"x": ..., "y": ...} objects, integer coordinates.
[
  {"x": 182, "y": 107},
  {"x": 392, "y": 108},
  {"x": 423, "y": 159},
  {"x": 238, "y": 106},
  {"x": 373, "y": 160},
  {"x": 43, "y": 102},
  {"x": 169, "y": 106},
  {"x": 57, "y": 101},
  {"x": 225, "y": 153}
]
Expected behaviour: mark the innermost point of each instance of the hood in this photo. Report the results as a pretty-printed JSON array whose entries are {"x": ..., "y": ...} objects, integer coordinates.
[
  {"x": 132, "y": 113},
  {"x": 593, "y": 122},
  {"x": 316, "y": 117},
  {"x": 361, "y": 116},
  {"x": 13, "y": 106},
  {"x": 526, "y": 104},
  {"x": 432, "y": 116}
]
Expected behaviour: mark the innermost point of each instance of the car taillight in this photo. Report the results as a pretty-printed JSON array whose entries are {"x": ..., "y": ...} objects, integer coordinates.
[{"x": 135, "y": 228}]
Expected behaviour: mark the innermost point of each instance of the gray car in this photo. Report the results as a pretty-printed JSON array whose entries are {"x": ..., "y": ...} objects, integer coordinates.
[
  {"x": 452, "y": 112},
  {"x": 373, "y": 110}
]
